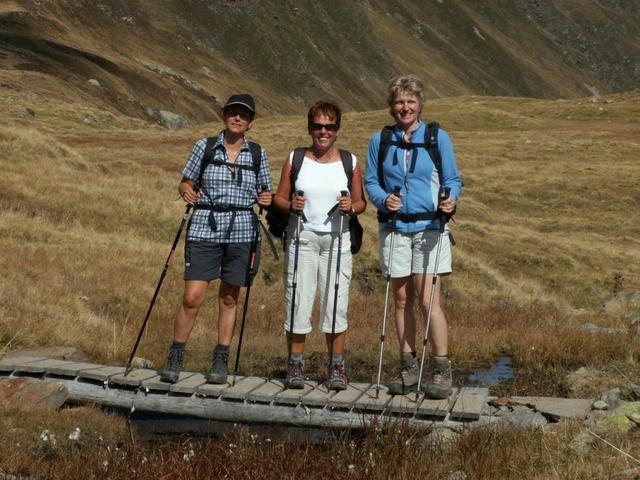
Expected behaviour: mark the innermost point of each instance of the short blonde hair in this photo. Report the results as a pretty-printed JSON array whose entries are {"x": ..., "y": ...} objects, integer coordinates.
[{"x": 405, "y": 83}]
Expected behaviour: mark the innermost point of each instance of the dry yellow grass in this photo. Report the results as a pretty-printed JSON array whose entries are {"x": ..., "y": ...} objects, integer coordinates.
[{"x": 548, "y": 216}]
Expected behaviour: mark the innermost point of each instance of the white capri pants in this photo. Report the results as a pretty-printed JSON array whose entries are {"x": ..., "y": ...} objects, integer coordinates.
[
  {"x": 415, "y": 253},
  {"x": 317, "y": 267}
]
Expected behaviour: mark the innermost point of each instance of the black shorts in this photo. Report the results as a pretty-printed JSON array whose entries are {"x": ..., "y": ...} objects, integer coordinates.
[{"x": 228, "y": 261}]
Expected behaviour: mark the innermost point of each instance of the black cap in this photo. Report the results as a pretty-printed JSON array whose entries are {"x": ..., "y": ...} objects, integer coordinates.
[{"x": 243, "y": 99}]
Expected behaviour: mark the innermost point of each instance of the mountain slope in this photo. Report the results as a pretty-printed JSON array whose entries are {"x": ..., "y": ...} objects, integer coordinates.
[{"x": 188, "y": 56}]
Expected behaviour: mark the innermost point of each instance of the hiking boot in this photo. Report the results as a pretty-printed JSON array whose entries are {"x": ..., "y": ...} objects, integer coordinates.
[
  {"x": 219, "y": 370},
  {"x": 295, "y": 374},
  {"x": 337, "y": 378},
  {"x": 171, "y": 371},
  {"x": 407, "y": 380},
  {"x": 439, "y": 387}
]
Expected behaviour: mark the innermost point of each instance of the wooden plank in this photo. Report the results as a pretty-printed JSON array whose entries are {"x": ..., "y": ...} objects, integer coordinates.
[
  {"x": 40, "y": 366},
  {"x": 370, "y": 402},
  {"x": 318, "y": 396},
  {"x": 437, "y": 408},
  {"x": 188, "y": 385},
  {"x": 290, "y": 396},
  {"x": 155, "y": 384},
  {"x": 134, "y": 378},
  {"x": 266, "y": 392},
  {"x": 404, "y": 403},
  {"x": 346, "y": 398},
  {"x": 72, "y": 369},
  {"x": 214, "y": 390},
  {"x": 242, "y": 388},
  {"x": 8, "y": 363},
  {"x": 100, "y": 374},
  {"x": 470, "y": 402}
]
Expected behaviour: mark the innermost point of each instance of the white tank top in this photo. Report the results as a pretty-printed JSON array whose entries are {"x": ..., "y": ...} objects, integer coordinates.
[{"x": 321, "y": 184}]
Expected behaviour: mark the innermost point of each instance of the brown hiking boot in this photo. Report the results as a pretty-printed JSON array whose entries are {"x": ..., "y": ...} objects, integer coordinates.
[
  {"x": 407, "y": 380},
  {"x": 337, "y": 379},
  {"x": 439, "y": 387},
  {"x": 295, "y": 374}
]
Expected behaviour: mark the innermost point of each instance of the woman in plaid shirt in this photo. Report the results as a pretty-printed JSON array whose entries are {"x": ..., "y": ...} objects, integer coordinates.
[{"x": 223, "y": 178}]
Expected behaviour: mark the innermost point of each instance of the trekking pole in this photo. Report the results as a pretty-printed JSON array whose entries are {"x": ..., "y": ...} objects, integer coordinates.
[
  {"x": 444, "y": 218},
  {"x": 294, "y": 282},
  {"x": 394, "y": 216},
  {"x": 249, "y": 281},
  {"x": 343, "y": 193},
  {"x": 155, "y": 294}
]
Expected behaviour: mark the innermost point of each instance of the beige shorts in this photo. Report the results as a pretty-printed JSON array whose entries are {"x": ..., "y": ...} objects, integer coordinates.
[{"x": 415, "y": 253}]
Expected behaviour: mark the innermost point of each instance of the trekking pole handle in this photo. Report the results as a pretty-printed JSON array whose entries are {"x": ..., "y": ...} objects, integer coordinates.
[{"x": 396, "y": 192}]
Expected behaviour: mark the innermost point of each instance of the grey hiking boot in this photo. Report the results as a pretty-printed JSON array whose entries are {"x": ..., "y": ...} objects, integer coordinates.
[
  {"x": 407, "y": 380},
  {"x": 171, "y": 372},
  {"x": 337, "y": 378},
  {"x": 440, "y": 385},
  {"x": 219, "y": 370},
  {"x": 295, "y": 373}
]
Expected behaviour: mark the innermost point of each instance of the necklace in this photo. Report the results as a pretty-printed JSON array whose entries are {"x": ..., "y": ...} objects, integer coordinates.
[{"x": 318, "y": 158}]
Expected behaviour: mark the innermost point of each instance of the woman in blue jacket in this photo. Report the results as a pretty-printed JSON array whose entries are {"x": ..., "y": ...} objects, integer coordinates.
[{"x": 409, "y": 192}]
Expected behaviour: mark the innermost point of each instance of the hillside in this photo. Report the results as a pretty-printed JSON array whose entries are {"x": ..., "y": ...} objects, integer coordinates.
[{"x": 142, "y": 57}]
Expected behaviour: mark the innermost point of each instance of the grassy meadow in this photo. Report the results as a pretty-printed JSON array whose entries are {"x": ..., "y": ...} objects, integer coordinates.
[{"x": 547, "y": 232}]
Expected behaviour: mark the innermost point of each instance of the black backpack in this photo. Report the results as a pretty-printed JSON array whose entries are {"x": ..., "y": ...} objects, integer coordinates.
[
  {"x": 278, "y": 221},
  {"x": 430, "y": 143},
  {"x": 208, "y": 159}
]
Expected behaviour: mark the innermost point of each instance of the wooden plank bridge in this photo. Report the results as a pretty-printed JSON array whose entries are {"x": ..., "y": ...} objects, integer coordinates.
[{"x": 251, "y": 399}]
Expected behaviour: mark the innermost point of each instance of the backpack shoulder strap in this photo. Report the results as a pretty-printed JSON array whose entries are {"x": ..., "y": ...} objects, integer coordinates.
[
  {"x": 207, "y": 158},
  {"x": 347, "y": 164},
  {"x": 385, "y": 141},
  {"x": 256, "y": 154},
  {"x": 296, "y": 165},
  {"x": 431, "y": 144}
]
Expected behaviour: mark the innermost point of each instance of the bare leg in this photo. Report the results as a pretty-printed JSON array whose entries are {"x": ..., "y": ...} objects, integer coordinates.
[
  {"x": 438, "y": 330},
  {"x": 227, "y": 305},
  {"x": 403, "y": 295},
  {"x": 297, "y": 342},
  {"x": 338, "y": 342},
  {"x": 195, "y": 292}
]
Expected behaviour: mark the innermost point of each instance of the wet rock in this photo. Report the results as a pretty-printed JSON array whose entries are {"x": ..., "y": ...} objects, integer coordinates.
[
  {"x": 524, "y": 417},
  {"x": 173, "y": 121},
  {"x": 28, "y": 394},
  {"x": 56, "y": 353}
]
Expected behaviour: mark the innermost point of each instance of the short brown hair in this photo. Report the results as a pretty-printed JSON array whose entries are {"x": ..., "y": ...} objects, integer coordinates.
[
  {"x": 405, "y": 83},
  {"x": 325, "y": 107}
]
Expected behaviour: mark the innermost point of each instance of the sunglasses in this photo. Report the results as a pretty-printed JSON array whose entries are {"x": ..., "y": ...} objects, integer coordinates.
[{"x": 329, "y": 127}]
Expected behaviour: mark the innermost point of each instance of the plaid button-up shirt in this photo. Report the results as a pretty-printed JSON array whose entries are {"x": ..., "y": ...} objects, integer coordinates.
[{"x": 220, "y": 187}]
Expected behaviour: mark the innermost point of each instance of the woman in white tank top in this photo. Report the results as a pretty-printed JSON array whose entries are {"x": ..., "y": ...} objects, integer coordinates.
[{"x": 321, "y": 179}]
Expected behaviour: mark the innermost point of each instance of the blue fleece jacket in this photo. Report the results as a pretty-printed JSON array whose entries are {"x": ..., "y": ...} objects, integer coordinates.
[{"x": 419, "y": 189}]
